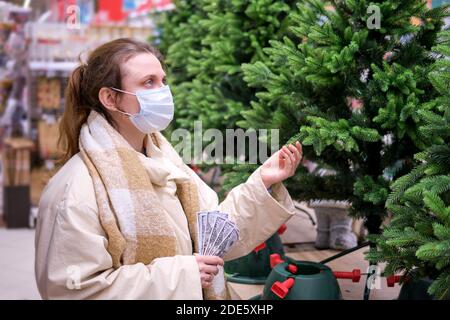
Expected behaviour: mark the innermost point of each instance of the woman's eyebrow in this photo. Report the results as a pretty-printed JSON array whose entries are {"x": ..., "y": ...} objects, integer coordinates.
[{"x": 152, "y": 76}]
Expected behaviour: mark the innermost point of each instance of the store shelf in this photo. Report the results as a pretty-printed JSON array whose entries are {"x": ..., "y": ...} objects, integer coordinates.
[{"x": 52, "y": 66}]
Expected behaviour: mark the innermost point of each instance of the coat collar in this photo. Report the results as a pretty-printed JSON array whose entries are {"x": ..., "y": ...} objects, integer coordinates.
[{"x": 160, "y": 164}]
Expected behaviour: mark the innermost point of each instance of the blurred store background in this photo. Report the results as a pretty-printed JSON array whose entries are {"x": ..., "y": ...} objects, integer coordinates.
[{"x": 40, "y": 44}]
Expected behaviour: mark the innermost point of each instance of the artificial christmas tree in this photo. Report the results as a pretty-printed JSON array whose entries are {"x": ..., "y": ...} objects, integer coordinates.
[
  {"x": 417, "y": 241},
  {"x": 350, "y": 91},
  {"x": 179, "y": 40},
  {"x": 205, "y": 51}
]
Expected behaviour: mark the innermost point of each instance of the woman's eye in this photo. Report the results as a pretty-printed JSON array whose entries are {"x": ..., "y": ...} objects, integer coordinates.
[{"x": 150, "y": 83}]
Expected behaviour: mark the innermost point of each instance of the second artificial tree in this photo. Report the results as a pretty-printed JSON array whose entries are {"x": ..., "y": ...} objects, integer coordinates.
[
  {"x": 416, "y": 243},
  {"x": 349, "y": 86}
]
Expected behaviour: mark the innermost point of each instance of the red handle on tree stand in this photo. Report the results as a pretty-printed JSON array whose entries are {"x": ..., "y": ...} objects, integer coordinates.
[
  {"x": 275, "y": 259},
  {"x": 355, "y": 275},
  {"x": 281, "y": 289},
  {"x": 292, "y": 268},
  {"x": 282, "y": 229},
  {"x": 391, "y": 280},
  {"x": 260, "y": 247}
]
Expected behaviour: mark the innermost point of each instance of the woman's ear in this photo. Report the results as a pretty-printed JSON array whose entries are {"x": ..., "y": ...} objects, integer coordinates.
[{"x": 108, "y": 98}]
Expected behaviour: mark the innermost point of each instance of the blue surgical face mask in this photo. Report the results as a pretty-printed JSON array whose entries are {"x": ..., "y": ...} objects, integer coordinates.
[{"x": 156, "y": 112}]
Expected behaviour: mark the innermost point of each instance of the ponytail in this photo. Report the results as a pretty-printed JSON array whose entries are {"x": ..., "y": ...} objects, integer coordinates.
[{"x": 75, "y": 114}]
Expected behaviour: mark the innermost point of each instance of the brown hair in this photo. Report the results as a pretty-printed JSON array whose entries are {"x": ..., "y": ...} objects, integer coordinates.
[{"x": 102, "y": 69}]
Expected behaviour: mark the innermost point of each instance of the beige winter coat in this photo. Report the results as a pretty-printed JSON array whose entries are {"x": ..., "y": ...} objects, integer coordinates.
[{"x": 72, "y": 261}]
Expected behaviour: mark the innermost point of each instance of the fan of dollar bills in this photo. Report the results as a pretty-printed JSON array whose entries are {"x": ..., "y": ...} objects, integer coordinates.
[{"x": 216, "y": 233}]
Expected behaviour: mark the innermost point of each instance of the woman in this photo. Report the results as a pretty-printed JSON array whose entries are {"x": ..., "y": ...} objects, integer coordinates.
[{"x": 118, "y": 220}]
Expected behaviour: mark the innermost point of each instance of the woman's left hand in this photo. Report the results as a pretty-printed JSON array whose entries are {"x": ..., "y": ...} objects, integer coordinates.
[{"x": 281, "y": 165}]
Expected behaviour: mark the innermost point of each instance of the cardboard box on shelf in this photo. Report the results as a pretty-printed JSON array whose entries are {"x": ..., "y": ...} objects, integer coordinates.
[
  {"x": 49, "y": 93},
  {"x": 16, "y": 161},
  {"x": 16, "y": 206},
  {"x": 48, "y": 139},
  {"x": 16, "y": 181}
]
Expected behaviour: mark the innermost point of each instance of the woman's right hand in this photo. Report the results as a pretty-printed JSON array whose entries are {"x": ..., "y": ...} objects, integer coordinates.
[{"x": 208, "y": 268}]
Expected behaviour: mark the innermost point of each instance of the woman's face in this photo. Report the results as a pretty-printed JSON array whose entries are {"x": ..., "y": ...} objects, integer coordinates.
[{"x": 142, "y": 72}]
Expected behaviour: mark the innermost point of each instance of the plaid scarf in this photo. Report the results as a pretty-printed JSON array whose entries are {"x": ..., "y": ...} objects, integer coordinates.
[{"x": 134, "y": 219}]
